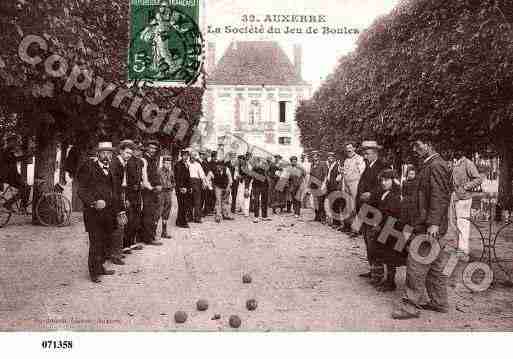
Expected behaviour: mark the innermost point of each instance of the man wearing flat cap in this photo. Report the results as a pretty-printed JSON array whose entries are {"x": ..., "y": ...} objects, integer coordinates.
[
  {"x": 318, "y": 173},
  {"x": 134, "y": 196},
  {"x": 333, "y": 183},
  {"x": 150, "y": 193},
  {"x": 368, "y": 187},
  {"x": 353, "y": 168},
  {"x": 276, "y": 197},
  {"x": 167, "y": 179},
  {"x": 103, "y": 208},
  {"x": 118, "y": 168}
]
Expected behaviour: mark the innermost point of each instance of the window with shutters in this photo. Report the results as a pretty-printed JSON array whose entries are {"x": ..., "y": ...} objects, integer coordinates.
[{"x": 283, "y": 111}]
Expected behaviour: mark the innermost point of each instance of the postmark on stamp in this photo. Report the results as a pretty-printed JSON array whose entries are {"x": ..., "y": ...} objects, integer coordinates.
[{"x": 166, "y": 45}]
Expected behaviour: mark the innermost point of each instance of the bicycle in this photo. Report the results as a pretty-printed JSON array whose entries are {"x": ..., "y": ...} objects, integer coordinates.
[
  {"x": 52, "y": 207},
  {"x": 492, "y": 235}
]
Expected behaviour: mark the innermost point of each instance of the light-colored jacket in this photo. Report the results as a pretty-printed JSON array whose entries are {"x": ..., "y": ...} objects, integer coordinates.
[
  {"x": 353, "y": 168},
  {"x": 465, "y": 177}
]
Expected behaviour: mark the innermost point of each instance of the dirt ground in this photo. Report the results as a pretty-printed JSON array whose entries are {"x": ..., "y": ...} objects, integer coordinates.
[{"x": 305, "y": 278}]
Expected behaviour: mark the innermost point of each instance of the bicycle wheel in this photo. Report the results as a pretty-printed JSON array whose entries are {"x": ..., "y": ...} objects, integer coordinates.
[
  {"x": 53, "y": 209},
  {"x": 5, "y": 215}
]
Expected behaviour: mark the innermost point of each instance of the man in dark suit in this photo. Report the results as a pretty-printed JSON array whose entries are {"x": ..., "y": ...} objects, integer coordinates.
[
  {"x": 204, "y": 193},
  {"x": 151, "y": 194},
  {"x": 102, "y": 208},
  {"x": 183, "y": 187},
  {"x": 211, "y": 196},
  {"x": 118, "y": 167},
  {"x": 368, "y": 187},
  {"x": 134, "y": 196}
]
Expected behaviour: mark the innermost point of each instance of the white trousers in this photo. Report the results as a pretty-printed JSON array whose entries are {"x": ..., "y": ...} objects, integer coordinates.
[
  {"x": 462, "y": 208},
  {"x": 243, "y": 203}
]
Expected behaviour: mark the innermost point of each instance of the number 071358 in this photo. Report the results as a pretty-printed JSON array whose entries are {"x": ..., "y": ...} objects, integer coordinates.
[{"x": 57, "y": 344}]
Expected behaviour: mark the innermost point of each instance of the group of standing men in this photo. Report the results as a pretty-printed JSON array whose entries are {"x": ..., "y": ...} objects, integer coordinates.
[
  {"x": 434, "y": 196},
  {"x": 124, "y": 193}
]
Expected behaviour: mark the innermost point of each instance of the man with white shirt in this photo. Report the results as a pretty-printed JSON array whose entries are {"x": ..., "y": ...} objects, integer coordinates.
[
  {"x": 354, "y": 166},
  {"x": 103, "y": 208},
  {"x": 150, "y": 193},
  {"x": 198, "y": 181},
  {"x": 465, "y": 177},
  {"x": 118, "y": 167}
]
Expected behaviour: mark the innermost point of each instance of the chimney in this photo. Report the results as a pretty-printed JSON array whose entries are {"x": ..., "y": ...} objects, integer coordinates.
[
  {"x": 211, "y": 58},
  {"x": 298, "y": 59}
]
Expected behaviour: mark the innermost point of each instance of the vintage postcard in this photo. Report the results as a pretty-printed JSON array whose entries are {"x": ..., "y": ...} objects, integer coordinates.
[{"x": 269, "y": 166}]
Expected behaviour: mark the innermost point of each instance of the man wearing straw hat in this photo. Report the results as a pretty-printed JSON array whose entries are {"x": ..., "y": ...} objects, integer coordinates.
[{"x": 102, "y": 208}]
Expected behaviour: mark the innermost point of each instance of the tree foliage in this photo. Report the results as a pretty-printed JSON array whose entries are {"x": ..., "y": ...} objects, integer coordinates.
[
  {"x": 93, "y": 34},
  {"x": 431, "y": 68}
]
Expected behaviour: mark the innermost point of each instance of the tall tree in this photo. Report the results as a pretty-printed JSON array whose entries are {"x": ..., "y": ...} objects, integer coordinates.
[{"x": 431, "y": 68}]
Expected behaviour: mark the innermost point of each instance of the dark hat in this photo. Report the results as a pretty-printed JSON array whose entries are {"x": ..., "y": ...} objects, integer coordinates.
[
  {"x": 278, "y": 156},
  {"x": 127, "y": 143},
  {"x": 186, "y": 150},
  {"x": 388, "y": 174},
  {"x": 92, "y": 152},
  {"x": 12, "y": 137},
  {"x": 293, "y": 158},
  {"x": 152, "y": 142}
]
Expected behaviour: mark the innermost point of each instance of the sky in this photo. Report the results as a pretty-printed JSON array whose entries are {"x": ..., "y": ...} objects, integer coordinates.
[{"x": 320, "y": 52}]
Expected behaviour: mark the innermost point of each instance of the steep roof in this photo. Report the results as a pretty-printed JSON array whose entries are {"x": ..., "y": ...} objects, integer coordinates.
[{"x": 255, "y": 63}]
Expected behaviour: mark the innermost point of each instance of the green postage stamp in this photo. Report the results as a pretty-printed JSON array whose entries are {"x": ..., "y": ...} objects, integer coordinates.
[{"x": 166, "y": 46}]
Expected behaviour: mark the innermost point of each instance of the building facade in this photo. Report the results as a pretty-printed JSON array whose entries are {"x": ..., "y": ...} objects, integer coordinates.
[{"x": 252, "y": 95}]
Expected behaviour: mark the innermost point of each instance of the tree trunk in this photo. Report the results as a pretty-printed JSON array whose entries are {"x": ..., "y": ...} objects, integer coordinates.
[
  {"x": 25, "y": 161},
  {"x": 505, "y": 175},
  {"x": 44, "y": 169},
  {"x": 62, "y": 171}
]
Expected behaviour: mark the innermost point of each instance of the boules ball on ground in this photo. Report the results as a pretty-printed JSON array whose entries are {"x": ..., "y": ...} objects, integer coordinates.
[
  {"x": 234, "y": 321},
  {"x": 251, "y": 304},
  {"x": 246, "y": 278},
  {"x": 202, "y": 305},
  {"x": 180, "y": 317}
]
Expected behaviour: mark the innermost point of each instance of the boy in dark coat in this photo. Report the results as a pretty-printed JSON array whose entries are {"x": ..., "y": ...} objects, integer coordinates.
[{"x": 388, "y": 202}]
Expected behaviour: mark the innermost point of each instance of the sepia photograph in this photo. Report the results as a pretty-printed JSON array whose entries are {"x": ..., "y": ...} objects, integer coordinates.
[{"x": 206, "y": 166}]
